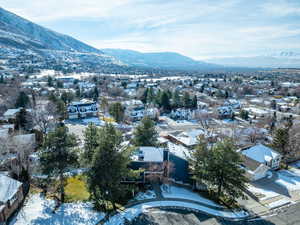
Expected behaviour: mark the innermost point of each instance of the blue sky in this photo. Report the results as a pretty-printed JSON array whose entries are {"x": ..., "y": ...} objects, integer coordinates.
[{"x": 197, "y": 28}]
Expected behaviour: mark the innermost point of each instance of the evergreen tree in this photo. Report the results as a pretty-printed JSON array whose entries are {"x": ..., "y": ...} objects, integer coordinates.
[
  {"x": 22, "y": 100},
  {"x": 50, "y": 81},
  {"x": 1, "y": 79},
  {"x": 219, "y": 167},
  {"x": 244, "y": 114},
  {"x": 21, "y": 119},
  {"x": 176, "y": 99},
  {"x": 281, "y": 142},
  {"x": 96, "y": 94},
  {"x": 186, "y": 100},
  {"x": 144, "y": 96},
  {"x": 91, "y": 137},
  {"x": 117, "y": 111},
  {"x": 194, "y": 103},
  {"x": 165, "y": 101},
  {"x": 108, "y": 168},
  {"x": 58, "y": 155},
  {"x": 145, "y": 133}
]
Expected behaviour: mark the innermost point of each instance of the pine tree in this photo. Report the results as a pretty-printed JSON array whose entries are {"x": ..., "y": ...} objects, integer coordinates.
[
  {"x": 186, "y": 100},
  {"x": 22, "y": 100},
  {"x": 194, "y": 103},
  {"x": 281, "y": 142},
  {"x": 1, "y": 79},
  {"x": 58, "y": 155},
  {"x": 145, "y": 133},
  {"x": 165, "y": 101},
  {"x": 219, "y": 167},
  {"x": 117, "y": 111},
  {"x": 176, "y": 99},
  {"x": 91, "y": 137},
  {"x": 108, "y": 168}
]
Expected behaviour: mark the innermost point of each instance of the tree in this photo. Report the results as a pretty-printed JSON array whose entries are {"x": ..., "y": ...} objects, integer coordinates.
[
  {"x": 219, "y": 168},
  {"x": 176, "y": 99},
  {"x": 22, "y": 121},
  {"x": 117, "y": 111},
  {"x": 104, "y": 104},
  {"x": 108, "y": 167},
  {"x": 194, "y": 103},
  {"x": 22, "y": 100},
  {"x": 244, "y": 114},
  {"x": 50, "y": 81},
  {"x": 145, "y": 133},
  {"x": 45, "y": 116},
  {"x": 186, "y": 100},
  {"x": 1, "y": 79},
  {"x": 67, "y": 97},
  {"x": 58, "y": 155},
  {"x": 165, "y": 101},
  {"x": 96, "y": 94},
  {"x": 91, "y": 137},
  {"x": 281, "y": 142}
]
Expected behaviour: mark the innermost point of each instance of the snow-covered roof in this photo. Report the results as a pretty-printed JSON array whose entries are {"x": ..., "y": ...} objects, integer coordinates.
[
  {"x": 11, "y": 112},
  {"x": 178, "y": 150},
  {"x": 8, "y": 188},
  {"x": 261, "y": 153},
  {"x": 151, "y": 154}
]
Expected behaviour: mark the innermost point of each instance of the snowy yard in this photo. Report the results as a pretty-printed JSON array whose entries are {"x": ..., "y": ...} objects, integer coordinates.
[
  {"x": 183, "y": 193},
  {"x": 38, "y": 210},
  {"x": 289, "y": 179}
]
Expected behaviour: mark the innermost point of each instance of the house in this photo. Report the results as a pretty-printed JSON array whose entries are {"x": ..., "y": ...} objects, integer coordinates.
[
  {"x": 263, "y": 155},
  {"x": 225, "y": 112},
  {"x": 82, "y": 109},
  {"x": 11, "y": 196},
  {"x": 151, "y": 159},
  {"x": 154, "y": 161},
  {"x": 188, "y": 139},
  {"x": 254, "y": 169}
]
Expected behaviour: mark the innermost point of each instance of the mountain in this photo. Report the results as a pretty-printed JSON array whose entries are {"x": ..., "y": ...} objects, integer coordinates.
[
  {"x": 282, "y": 59},
  {"x": 159, "y": 60},
  {"x": 28, "y": 47},
  {"x": 18, "y": 32}
]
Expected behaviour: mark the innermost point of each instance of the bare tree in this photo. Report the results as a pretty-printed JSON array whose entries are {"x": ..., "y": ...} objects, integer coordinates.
[{"x": 45, "y": 116}]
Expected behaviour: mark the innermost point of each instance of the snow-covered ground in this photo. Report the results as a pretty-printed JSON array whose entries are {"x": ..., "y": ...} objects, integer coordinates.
[
  {"x": 38, "y": 210},
  {"x": 136, "y": 210},
  {"x": 145, "y": 195},
  {"x": 262, "y": 194},
  {"x": 183, "y": 193},
  {"x": 289, "y": 179}
]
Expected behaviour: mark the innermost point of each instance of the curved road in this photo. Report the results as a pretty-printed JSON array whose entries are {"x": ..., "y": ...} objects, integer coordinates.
[{"x": 286, "y": 216}]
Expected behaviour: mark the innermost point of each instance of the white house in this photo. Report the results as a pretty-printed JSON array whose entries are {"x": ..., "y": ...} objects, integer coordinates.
[
  {"x": 263, "y": 155},
  {"x": 82, "y": 109},
  {"x": 11, "y": 196},
  {"x": 254, "y": 169}
]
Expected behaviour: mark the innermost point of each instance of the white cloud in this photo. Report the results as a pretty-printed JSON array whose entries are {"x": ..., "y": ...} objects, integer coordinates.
[
  {"x": 197, "y": 28},
  {"x": 281, "y": 8}
]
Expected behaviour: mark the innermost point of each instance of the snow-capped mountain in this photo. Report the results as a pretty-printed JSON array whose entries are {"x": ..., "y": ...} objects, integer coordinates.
[
  {"x": 283, "y": 59},
  {"x": 17, "y": 31},
  {"x": 161, "y": 60}
]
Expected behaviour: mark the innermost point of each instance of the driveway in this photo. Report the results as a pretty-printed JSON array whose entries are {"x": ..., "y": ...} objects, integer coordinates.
[{"x": 270, "y": 184}]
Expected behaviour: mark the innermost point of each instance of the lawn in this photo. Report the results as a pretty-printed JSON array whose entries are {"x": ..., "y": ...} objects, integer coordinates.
[{"x": 76, "y": 189}]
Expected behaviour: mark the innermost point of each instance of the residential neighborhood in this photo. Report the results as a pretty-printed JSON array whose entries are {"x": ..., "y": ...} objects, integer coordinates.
[{"x": 149, "y": 112}]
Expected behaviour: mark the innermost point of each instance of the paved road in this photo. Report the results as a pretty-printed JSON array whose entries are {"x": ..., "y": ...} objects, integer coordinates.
[{"x": 287, "y": 216}]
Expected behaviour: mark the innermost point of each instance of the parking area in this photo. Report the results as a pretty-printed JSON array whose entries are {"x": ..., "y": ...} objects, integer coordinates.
[{"x": 282, "y": 188}]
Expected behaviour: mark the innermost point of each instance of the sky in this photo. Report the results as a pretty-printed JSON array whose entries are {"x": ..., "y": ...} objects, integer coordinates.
[{"x": 200, "y": 29}]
